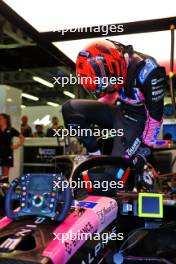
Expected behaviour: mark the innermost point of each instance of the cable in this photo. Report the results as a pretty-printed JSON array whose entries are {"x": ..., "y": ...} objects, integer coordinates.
[
  {"x": 120, "y": 257},
  {"x": 142, "y": 259},
  {"x": 134, "y": 243}
]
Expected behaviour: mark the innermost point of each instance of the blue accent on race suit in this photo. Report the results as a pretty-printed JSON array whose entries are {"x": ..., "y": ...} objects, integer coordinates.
[
  {"x": 156, "y": 134},
  {"x": 143, "y": 74},
  {"x": 150, "y": 65},
  {"x": 135, "y": 99}
]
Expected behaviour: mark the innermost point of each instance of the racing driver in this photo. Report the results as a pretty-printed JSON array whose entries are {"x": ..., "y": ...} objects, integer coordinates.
[{"x": 134, "y": 102}]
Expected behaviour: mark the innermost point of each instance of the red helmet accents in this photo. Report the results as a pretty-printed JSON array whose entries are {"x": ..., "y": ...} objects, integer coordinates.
[{"x": 100, "y": 66}]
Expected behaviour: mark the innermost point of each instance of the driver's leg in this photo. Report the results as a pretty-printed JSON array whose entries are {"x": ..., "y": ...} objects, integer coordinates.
[
  {"x": 83, "y": 113},
  {"x": 132, "y": 121}
]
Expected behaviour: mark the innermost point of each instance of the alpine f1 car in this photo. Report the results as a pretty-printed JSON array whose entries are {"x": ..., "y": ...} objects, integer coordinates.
[{"x": 56, "y": 223}]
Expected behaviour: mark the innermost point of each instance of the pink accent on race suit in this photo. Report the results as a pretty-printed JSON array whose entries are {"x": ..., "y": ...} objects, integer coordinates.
[
  {"x": 151, "y": 131},
  {"x": 96, "y": 219},
  {"x": 152, "y": 126},
  {"x": 138, "y": 96},
  {"x": 109, "y": 98}
]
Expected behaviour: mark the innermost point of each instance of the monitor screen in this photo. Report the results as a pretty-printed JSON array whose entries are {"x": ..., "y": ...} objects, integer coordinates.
[
  {"x": 150, "y": 205},
  {"x": 40, "y": 183},
  {"x": 169, "y": 131}
]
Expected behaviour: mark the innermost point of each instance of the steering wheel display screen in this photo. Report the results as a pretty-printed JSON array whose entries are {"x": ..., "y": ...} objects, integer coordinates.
[
  {"x": 42, "y": 184},
  {"x": 38, "y": 194}
]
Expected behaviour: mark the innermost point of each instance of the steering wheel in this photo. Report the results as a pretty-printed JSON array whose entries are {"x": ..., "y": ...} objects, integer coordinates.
[{"x": 39, "y": 195}]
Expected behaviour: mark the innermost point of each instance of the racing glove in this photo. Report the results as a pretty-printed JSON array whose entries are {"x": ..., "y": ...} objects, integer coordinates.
[
  {"x": 144, "y": 178},
  {"x": 139, "y": 159}
]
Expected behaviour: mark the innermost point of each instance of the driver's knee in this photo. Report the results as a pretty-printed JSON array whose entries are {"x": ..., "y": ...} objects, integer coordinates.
[
  {"x": 66, "y": 108},
  {"x": 72, "y": 115},
  {"x": 70, "y": 107},
  {"x": 67, "y": 111}
]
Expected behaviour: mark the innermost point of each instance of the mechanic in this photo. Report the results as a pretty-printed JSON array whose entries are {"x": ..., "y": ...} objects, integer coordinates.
[{"x": 136, "y": 104}]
